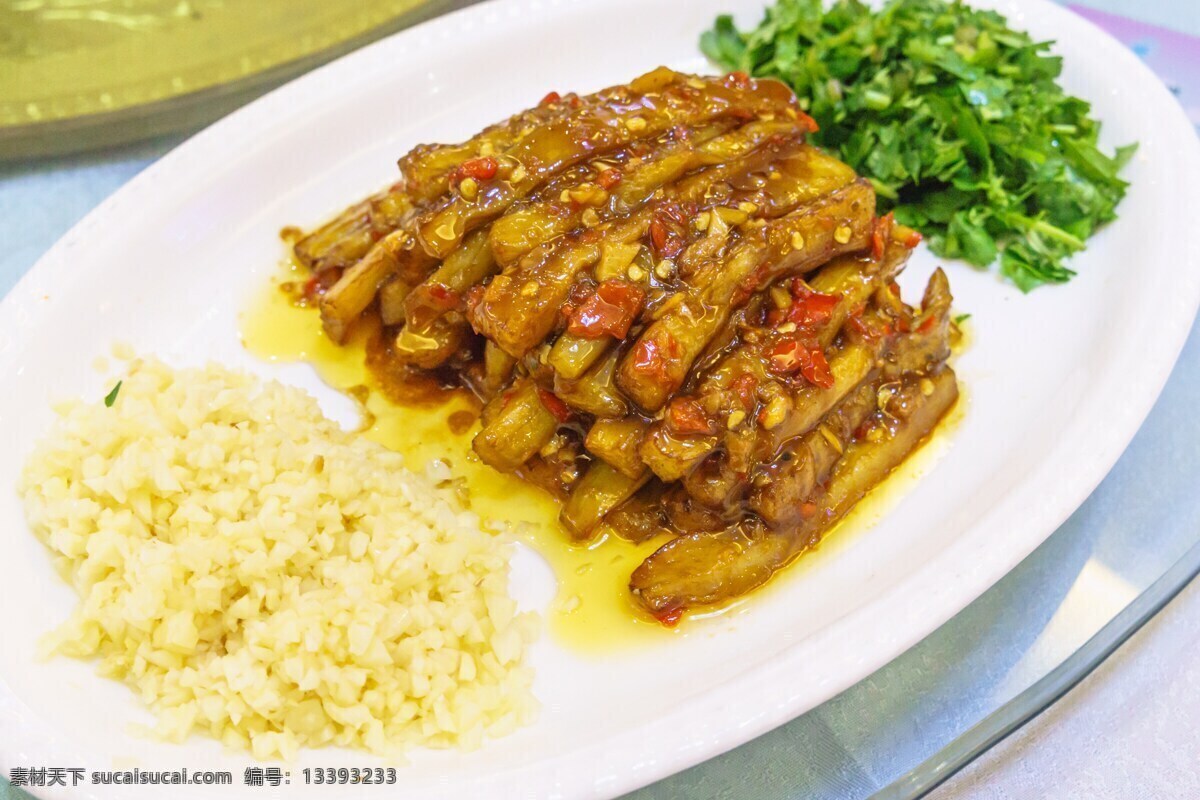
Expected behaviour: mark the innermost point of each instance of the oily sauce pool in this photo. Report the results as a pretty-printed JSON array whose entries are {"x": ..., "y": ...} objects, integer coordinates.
[{"x": 592, "y": 610}]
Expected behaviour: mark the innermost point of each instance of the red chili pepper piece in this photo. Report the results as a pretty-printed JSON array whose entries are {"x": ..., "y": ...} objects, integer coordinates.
[
  {"x": 666, "y": 243},
  {"x": 881, "y": 233},
  {"x": 552, "y": 97},
  {"x": 658, "y": 234},
  {"x": 609, "y": 178},
  {"x": 481, "y": 169},
  {"x": 810, "y": 309},
  {"x": 792, "y": 355},
  {"x": 684, "y": 415},
  {"x": 808, "y": 123},
  {"x": 927, "y": 325},
  {"x": 320, "y": 283},
  {"x": 609, "y": 311},
  {"x": 554, "y": 405},
  {"x": 652, "y": 359},
  {"x": 443, "y": 297},
  {"x": 745, "y": 386},
  {"x": 670, "y": 617},
  {"x": 912, "y": 240},
  {"x": 807, "y": 509}
]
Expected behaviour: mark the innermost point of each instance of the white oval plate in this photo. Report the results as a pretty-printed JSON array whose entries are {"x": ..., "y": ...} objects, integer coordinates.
[{"x": 1057, "y": 383}]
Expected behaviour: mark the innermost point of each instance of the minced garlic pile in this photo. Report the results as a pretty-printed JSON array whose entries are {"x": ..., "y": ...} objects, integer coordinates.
[{"x": 261, "y": 575}]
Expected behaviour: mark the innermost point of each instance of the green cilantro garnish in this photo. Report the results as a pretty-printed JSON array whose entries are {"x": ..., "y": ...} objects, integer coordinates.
[
  {"x": 961, "y": 318},
  {"x": 111, "y": 397},
  {"x": 954, "y": 117}
]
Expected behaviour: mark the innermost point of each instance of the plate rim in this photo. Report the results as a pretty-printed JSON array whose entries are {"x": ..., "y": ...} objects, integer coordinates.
[{"x": 727, "y": 722}]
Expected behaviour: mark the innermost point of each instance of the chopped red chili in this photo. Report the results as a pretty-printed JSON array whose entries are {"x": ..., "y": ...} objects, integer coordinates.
[
  {"x": 673, "y": 211},
  {"x": 669, "y": 617},
  {"x": 927, "y": 325},
  {"x": 554, "y": 405},
  {"x": 609, "y": 311},
  {"x": 650, "y": 360},
  {"x": 552, "y": 97},
  {"x": 442, "y": 296},
  {"x": 320, "y": 283},
  {"x": 881, "y": 233},
  {"x": 810, "y": 309},
  {"x": 481, "y": 169},
  {"x": 745, "y": 386},
  {"x": 792, "y": 355},
  {"x": 807, "y": 509},
  {"x": 609, "y": 178},
  {"x": 667, "y": 244},
  {"x": 912, "y": 240},
  {"x": 685, "y": 415}
]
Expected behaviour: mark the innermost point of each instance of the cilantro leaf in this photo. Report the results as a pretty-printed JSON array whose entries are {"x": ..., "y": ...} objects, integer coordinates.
[
  {"x": 953, "y": 116},
  {"x": 111, "y": 397}
]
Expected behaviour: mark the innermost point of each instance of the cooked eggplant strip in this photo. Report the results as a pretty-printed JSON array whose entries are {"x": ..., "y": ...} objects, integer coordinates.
[
  {"x": 572, "y": 355},
  {"x": 354, "y": 291},
  {"x": 929, "y": 342},
  {"x": 391, "y": 300},
  {"x": 465, "y": 267},
  {"x": 522, "y": 229},
  {"x": 520, "y": 307},
  {"x": 618, "y": 182},
  {"x": 395, "y": 254},
  {"x": 599, "y": 491},
  {"x": 680, "y": 316},
  {"x": 659, "y": 361},
  {"x": 632, "y": 181},
  {"x": 429, "y": 168},
  {"x": 626, "y": 117},
  {"x": 340, "y": 242},
  {"x": 852, "y": 279},
  {"x": 616, "y": 442},
  {"x": 433, "y": 345},
  {"x": 497, "y": 369},
  {"x": 518, "y": 426},
  {"x": 671, "y": 457},
  {"x": 687, "y": 516},
  {"x": 782, "y": 487},
  {"x": 641, "y": 517},
  {"x": 704, "y": 569},
  {"x": 596, "y": 392}
]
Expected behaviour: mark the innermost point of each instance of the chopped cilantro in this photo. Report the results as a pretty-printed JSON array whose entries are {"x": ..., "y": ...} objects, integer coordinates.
[
  {"x": 111, "y": 397},
  {"x": 954, "y": 117}
]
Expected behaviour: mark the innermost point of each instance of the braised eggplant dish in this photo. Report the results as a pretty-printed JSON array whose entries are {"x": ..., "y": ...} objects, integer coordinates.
[{"x": 678, "y": 315}]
